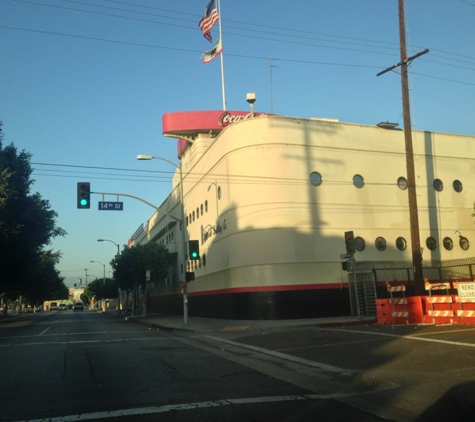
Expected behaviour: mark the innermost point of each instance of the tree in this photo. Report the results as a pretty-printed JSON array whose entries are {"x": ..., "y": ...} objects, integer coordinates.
[
  {"x": 101, "y": 290},
  {"x": 27, "y": 224},
  {"x": 131, "y": 265}
]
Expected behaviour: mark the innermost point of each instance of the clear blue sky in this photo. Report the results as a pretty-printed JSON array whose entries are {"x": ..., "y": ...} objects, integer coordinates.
[{"x": 84, "y": 84}]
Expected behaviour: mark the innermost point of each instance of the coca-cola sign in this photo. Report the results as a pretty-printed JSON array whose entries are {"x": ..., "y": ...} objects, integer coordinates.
[
  {"x": 228, "y": 118},
  {"x": 188, "y": 124}
]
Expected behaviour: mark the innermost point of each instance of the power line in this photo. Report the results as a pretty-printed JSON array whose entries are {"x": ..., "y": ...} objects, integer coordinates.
[{"x": 314, "y": 36}]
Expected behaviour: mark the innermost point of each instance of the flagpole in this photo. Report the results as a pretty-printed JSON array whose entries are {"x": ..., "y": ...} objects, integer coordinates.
[{"x": 222, "y": 57}]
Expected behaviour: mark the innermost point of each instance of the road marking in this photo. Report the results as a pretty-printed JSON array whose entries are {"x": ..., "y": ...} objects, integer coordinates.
[
  {"x": 418, "y": 338},
  {"x": 316, "y": 346},
  {"x": 189, "y": 406},
  {"x": 40, "y": 334},
  {"x": 48, "y": 343},
  {"x": 291, "y": 358}
]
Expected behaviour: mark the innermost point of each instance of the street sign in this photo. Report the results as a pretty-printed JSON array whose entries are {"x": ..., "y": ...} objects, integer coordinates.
[
  {"x": 345, "y": 256},
  {"x": 466, "y": 290},
  {"x": 111, "y": 206}
]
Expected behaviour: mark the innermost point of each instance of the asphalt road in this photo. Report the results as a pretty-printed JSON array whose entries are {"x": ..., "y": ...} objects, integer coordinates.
[{"x": 65, "y": 366}]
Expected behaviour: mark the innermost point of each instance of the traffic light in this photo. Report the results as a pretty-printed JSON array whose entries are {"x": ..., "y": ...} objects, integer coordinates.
[
  {"x": 84, "y": 195},
  {"x": 189, "y": 276},
  {"x": 350, "y": 243},
  {"x": 346, "y": 266},
  {"x": 194, "y": 250}
]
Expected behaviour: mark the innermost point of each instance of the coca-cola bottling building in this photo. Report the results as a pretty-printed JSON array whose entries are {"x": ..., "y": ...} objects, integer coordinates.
[{"x": 269, "y": 199}]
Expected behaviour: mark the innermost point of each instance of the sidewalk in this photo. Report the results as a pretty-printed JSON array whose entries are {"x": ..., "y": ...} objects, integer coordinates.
[{"x": 207, "y": 325}]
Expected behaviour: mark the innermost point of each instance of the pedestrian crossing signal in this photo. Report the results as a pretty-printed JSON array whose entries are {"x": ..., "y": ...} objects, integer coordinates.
[{"x": 350, "y": 242}]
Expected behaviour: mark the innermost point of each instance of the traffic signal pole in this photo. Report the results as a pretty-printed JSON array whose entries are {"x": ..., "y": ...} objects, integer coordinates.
[{"x": 181, "y": 221}]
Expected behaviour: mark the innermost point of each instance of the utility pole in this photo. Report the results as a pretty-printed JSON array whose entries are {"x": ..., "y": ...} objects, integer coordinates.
[{"x": 411, "y": 178}]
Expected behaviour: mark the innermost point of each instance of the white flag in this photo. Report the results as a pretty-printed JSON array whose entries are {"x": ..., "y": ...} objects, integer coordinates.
[{"x": 214, "y": 52}]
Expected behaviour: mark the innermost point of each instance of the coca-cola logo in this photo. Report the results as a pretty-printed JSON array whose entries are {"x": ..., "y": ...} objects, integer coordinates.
[{"x": 227, "y": 118}]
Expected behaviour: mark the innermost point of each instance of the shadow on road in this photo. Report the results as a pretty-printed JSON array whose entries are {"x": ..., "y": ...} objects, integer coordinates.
[{"x": 456, "y": 404}]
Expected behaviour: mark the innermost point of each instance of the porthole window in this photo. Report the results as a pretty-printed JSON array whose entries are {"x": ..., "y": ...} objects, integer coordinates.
[
  {"x": 193, "y": 219},
  {"x": 380, "y": 243},
  {"x": 360, "y": 244},
  {"x": 186, "y": 220},
  {"x": 219, "y": 192},
  {"x": 358, "y": 180},
  {"x": 458, "y": 186},
  {"x": 448, "y": 243},
  {"x": 464, "y": 243},
  {"x": 197, "y": 212},
  {"x": 402, "y": 183},
  {"x": 438, "y": 185},
  {"x": 201, "y": 209},
  {"x": 401, "y": 243},
  {"x": 206, "y": 205},
  {"x": 315, "y": 178},
  {"x": 431, "y": 243}
]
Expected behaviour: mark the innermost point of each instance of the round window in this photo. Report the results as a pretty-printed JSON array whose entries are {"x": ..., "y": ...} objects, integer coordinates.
[
  {"x": 360, "y": 244},
  {"x": 431, "y": 243},
  {"x": 402, "y": 183},
  {"x": 438, "y": 185},
  {"x": 464, "y": 243},
  {"x": 448, "y": 243},
  {"x": 457, "y": 186},
  {"x": 358, "y": 180},
  {"x": 380, "y": 243},
  {"x": 401, "y": 243},
  {"x": 315, "y": 179}
]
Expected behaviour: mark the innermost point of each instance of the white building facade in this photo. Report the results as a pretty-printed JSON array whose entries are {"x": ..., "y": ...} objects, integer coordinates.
[{"x": 269, "y": 199}]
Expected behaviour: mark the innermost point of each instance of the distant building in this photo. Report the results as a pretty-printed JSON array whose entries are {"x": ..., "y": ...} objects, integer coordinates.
[{"x": 269, "y": 199}]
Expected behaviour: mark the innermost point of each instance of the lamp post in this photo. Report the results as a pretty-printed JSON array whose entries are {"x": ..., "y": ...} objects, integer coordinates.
[
  {"x": 104, "y": 278},
  {"x": 183, "y": 228},
  {"x": 104, "y": 266},
  {"x": 119, "y": 301},
  {"x": 107, "y": 240}
]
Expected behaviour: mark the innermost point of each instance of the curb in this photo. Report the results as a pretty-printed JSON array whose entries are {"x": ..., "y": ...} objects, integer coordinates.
[{"x": 137, "y": 320}]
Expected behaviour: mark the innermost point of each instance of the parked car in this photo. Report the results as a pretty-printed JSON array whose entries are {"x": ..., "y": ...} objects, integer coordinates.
[
  {"x": 78, "y": 307},
  {"x": 53, "y": 306},
  {"x": 62, "y": 307}
]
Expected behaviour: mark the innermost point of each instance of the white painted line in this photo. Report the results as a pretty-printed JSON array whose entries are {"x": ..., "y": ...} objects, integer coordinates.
[
  {"x": 48, "y": 343},
  {"x": 187, "y": 406},
  {"x": 44, "y": 331},
  {"x": 291, "y": 358},
  {"x": 430, "y": 340}
]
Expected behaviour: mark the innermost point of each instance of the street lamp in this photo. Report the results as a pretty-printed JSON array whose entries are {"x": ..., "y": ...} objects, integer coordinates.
[
  {"x": 107, "y": 240},
  {"x": 119, "y": 301},
  {"x": 104, "y": 266},
  {"x": 183, "y": 269},
  {"x": 104, "y": 278}
]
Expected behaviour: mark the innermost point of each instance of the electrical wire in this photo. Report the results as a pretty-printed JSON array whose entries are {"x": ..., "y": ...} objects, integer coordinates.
[{"x": 383, "y": 45}]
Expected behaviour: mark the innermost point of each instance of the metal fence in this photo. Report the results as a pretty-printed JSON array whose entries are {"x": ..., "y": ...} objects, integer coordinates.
[{"x": 371, "y": 278}]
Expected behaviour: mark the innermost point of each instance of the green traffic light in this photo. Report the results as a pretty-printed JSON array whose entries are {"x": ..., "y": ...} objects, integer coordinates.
[{"x": 83, "y": 202}]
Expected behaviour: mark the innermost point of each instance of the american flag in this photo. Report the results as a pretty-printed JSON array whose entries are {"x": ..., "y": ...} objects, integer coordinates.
[{"x": 209, "y": 19}]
